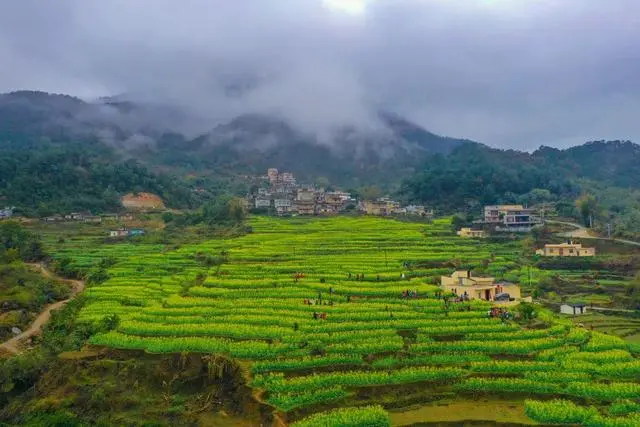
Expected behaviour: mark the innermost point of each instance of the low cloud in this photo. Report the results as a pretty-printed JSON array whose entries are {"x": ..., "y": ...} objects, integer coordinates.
[{"x": 512, "y": 74}]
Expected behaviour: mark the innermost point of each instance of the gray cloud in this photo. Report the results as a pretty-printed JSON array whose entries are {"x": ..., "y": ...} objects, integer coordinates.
[{"x": 505, "y": 72}]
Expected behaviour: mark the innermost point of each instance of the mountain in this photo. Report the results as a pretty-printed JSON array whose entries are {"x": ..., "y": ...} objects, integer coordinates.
[
  {"x": 54, "y": 158},
  {"x": 253, "y": 143},
  {"x": 615, "y": 162},
  {"x": 162, "y": 135},
  {"x": 473, "y": 174},
  {"x": 58, "y": 152}
]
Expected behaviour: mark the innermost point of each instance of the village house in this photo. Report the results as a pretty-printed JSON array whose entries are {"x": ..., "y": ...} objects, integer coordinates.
[
  {"x": 380, "y": 207},
  {"x": 272, "y": 173},
  {"x": 287, "y": 178},
  {"x": 463, "y": 284},
  {"x": 573, "y": 309},
  {"x": 121, "y": 232},
  {"x": 284, "y": 179},
  {"x": 418, "y": 210},
  {"x": 400, "y": 211},
  {"x": 333, "y": 202},
  {"x": 566, "y": 249},
  {"x": 511, "y": 218},
  {"x": 262, "y": 202},
  {"x": 283, "y": 206},
  {"x": 110, "y": 217},
  {"x": 53, "y": 218},
  {"x": 6, "y": 212},
  {"x": 93, "y": 219},
  {"x": 77, "y": 216},
  {"x": 306, "y": 201},
  {"x": 471, "y": 233}
]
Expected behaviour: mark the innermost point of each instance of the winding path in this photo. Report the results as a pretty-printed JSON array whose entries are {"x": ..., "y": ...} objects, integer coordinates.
[
  {"x": 583, "y": 233},
  {"x": 12, "y": 346}
]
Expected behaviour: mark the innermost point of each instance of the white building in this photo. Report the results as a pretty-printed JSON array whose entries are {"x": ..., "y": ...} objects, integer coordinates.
[
  {"x": 573, "y": 309},
  {"x": 6, "y": 212},
  {"x": 514, "y": 218},
  {"x": 262, "y": 202},
  {"x": 283, "y": 206},
  {"x": 287, "y": 178},
  {"x": 121, "y": 232}
]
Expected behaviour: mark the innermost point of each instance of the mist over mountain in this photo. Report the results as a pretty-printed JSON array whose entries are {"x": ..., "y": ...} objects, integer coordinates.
[
  {"x": 169, "y": 135},
  {"x": 59, "y": 153}
]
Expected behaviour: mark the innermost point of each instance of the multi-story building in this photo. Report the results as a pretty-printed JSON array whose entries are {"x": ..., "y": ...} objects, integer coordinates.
[
  {"x": 287, "y": 178},
  {"x": 272, "y": 174},
  {"x": 333, "y": 202},
  {"x": 381, "y": 207},
  {"x": 510, "y": 217},
  {"x": 306, "y": 201},
  {"x": 283, "y": 206}
]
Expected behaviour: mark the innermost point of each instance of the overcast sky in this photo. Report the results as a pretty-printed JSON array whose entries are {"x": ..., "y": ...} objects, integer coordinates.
[{"x": 509, "y": 73}]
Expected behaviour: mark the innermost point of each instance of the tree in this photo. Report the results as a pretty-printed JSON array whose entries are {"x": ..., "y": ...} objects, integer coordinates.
[
  {"x": 322, "y": 182},
  {"x": 168, "y": 217},
  {"x": 236, "y": 209},
  {"x": 14, "y": 236},
  {"x": 527, "y": 311},
  {"x": 109, "y": 322},
  {"x": 371, "y": 192},
  {"x": 458, "y": 221},
  {"x": 587, "y": 206}
]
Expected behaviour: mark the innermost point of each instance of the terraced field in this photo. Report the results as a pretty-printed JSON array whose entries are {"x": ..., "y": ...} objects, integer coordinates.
[{"x": 314, "y": 309}]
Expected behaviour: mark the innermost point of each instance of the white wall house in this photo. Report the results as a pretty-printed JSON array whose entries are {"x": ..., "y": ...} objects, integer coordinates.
[
  {"x": 263, "y": 203},
  {"x": 573, "y": 309}
]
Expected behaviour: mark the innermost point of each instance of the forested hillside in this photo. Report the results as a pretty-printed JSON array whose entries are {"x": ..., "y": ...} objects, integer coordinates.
[
  {"x": 603, "y": 174},
  {"x": 59, "y": 153},
  {"x": 44, "y": 177}
]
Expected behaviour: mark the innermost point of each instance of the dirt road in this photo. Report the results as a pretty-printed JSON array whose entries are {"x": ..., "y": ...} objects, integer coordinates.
[
  {"x": 583, "y": 233},
  {"x": 12, "y": 346}
]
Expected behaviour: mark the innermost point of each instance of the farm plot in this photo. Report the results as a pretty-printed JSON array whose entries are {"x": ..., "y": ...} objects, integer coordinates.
[{"x": 315, "y": 309}]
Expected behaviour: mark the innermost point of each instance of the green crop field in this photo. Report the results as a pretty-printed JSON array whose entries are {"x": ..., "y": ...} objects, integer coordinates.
[{"x": 314, "y": 309}]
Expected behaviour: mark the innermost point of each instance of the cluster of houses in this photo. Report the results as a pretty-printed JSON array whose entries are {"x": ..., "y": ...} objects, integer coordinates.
[
  {"x": 301, "y": 200},
  {"x": 88, "y": 217},
  {"x": 385, "y": 207},
  {"x": 517, "y": 218},
  {"x": 7, "y": 212},
  {"x": 286, "y": 197}
]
